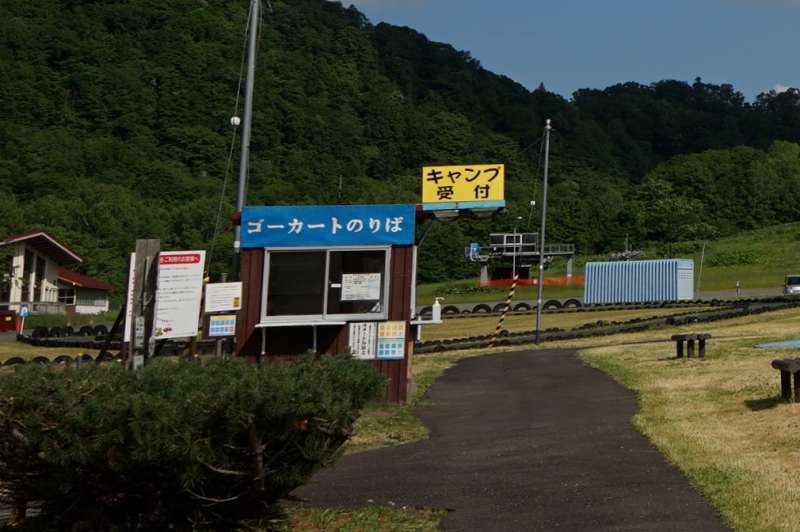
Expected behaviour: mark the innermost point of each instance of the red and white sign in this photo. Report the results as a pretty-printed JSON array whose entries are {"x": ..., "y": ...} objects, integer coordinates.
[
  {"x": 180, "y": 290},
  {"x": 181, "y": 258}
]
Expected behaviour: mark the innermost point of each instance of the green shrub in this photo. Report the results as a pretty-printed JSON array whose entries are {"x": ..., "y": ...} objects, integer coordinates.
[{"x": 177, "y": 442}]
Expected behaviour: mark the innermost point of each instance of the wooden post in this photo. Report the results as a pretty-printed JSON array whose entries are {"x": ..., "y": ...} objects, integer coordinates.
[
  {"x": 702, "y": 351},
  {"x": 144, "y": 300},
  {"x": 679, "y": 347},
  {"x": 797, "y": 387},
  {"x": 690, "y": 348},
  {"x": 786, "y": 385}
]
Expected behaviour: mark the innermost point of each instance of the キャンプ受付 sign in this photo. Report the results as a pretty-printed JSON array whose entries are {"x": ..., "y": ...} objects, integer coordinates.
[{"x": 463, "y": 186}]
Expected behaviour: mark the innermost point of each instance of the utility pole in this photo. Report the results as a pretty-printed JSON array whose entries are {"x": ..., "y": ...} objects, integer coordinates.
[
  {"x": 540, "y": 281},
  {"x": 244, "y": 159}
]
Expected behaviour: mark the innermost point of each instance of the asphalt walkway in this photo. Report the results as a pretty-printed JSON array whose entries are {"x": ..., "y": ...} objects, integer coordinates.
[{"x": 532, "y": 440}]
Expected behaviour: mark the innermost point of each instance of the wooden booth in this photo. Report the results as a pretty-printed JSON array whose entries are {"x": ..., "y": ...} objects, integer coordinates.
[{"x": 328, "y": 279}]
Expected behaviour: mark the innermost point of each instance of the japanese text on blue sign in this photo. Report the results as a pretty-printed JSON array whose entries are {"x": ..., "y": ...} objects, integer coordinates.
[{"x": 328, "y": 225}]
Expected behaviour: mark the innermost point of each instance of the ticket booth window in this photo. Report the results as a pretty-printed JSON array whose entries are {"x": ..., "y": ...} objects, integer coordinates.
[{"x": 317, "y": 285}]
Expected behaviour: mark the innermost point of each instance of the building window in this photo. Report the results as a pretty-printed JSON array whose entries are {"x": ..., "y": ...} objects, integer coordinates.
[
  {"x": 66, "y": 296},
  {"x": 343, "y": 284}
]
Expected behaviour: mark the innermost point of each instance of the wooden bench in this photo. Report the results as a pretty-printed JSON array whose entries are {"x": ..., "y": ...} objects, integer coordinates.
[
  {"x": 789, "y": 367},
  {"x": 690, "y": 339}
]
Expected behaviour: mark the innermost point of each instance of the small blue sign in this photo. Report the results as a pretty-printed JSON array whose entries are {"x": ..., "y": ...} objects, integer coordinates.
[
  {"x": 328, "y": 226},
  {"x": 24, "y": 312}
]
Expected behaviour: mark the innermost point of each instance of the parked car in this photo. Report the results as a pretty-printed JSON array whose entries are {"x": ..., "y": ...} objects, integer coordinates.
[{"x": 791, "y": 284}]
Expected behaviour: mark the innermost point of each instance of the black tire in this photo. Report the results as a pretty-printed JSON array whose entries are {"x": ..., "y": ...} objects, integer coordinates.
[
  {"x": 40, "y": 360},
  {"x": 450, "y": 310},
  {"x": 481, "y": 308},
  {"x": 56, "y": 332},
  {"x": 100, "y": 330},
  {"x": 426, "y": 311},
  {"x": 69, "y": 331},
  {"x": 63, "y": 359},
  {"x": 553, "y": 304},
  {"x": 499, "y": 307},
  {"x": 86, "y": 330},
  {"x": 522, "y": 307},
  {"x": 86, "y": 358},
  {"x": 105, "y": 356},
  {"x": 572, "y": 303},
  {"x": 13, "y": 361},
  {"x": 40, "y": 332}
]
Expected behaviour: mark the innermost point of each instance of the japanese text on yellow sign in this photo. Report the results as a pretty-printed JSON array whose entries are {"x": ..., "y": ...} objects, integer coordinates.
[{"x": 475, "y": 182}]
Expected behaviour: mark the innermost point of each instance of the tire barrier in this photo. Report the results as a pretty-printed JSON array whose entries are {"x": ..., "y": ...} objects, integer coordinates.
[
  {"x": 450, "y": 310},
  {"x": 100, "y": 330},
  {"x": 604, "y": 328},
  {"x": 86, "y": 330},
  {"x": 574, "y": 305},
  {"x": 553, "y": 304},
  {"x": 482, "y": 308},
  {"x": 63, "y": 359},
  {"x": 522, "y": 307}
]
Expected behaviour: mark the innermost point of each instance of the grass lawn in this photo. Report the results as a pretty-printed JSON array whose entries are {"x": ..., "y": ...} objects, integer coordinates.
[{"x": 720, "y": 420}]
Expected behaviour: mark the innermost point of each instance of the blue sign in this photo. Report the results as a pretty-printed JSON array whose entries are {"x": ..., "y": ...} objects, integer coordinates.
[
  {"x": 328, "y": 226},
  {"x": 24, "y": 312}
]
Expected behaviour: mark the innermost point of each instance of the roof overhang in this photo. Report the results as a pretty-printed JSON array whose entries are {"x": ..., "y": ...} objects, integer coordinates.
[{"x": 45, "y": 244}]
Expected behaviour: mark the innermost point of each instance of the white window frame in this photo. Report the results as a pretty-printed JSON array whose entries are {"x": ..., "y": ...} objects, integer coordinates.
[
  {"x": 74, "y": 296},
  {"x": 325, "y": 316}
]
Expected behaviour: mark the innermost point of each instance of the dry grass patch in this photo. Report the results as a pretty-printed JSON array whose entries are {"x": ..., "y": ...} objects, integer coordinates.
[
  {"x": 721, "y": 419},
  {"x": 369, "y": 519}
]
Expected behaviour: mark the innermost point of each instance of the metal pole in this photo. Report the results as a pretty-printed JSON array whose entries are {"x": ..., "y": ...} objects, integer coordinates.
[
  {"x": 540, "y": 282},
  {"x": 700, "y": 277},
  {"x": 247, "y": 122}
]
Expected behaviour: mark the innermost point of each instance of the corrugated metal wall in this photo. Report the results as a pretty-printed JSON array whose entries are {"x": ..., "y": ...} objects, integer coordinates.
[{"x": 640, "y": 281}]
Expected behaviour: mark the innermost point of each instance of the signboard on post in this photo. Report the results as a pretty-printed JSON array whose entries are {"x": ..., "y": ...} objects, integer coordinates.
[
  {"x": 363, "y": 339},
  {"x": 180, "y": 290},
  {"x": 126, "y": 335},
  {"x": 391, "y": 340},
  {"x": 328, "y": 226},
  {"x": 223, "y": 297},
  {"x": 463, "y": 187},
  {"x": 223, "y": 325}
]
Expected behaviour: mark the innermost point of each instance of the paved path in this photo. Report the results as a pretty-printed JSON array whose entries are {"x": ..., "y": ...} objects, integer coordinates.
[{"x": 525, "y": 441}]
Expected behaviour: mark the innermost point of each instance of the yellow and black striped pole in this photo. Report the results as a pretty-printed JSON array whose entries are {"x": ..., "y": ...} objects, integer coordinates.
[{"x": 506, "y": 308}]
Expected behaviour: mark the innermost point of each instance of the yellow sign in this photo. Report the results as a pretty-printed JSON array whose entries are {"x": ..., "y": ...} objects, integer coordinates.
[{"x": 464, "y": 183}]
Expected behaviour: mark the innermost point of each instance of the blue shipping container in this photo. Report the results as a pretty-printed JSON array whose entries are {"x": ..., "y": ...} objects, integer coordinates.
[{"x": 638, "y": 281}]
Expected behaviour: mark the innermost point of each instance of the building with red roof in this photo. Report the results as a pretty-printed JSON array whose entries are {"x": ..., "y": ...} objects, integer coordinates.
[{"x": 33, "y": 272}]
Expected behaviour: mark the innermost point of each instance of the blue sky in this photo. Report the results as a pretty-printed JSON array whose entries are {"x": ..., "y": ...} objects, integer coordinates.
[{"x": 572, "y": 44}]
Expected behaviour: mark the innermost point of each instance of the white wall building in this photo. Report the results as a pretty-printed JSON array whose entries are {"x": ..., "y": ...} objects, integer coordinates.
[{"x": 32, "y": 272}]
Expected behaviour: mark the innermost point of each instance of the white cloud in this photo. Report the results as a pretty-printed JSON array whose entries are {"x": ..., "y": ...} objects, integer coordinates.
[{"x": 779, "y": 88}]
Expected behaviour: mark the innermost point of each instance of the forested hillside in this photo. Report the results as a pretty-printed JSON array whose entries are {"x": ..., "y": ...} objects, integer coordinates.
[{"x": 114, "y": 125}]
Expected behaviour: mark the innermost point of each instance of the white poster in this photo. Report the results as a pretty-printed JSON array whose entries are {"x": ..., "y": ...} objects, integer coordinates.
[
  {"x": 126, "y": 335},
  {"x": 180, "y": 290},
  {"x": 362, "y": 339},
  {"x": 361, "y": 286},
  {"x": 223, "y": 297}
]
